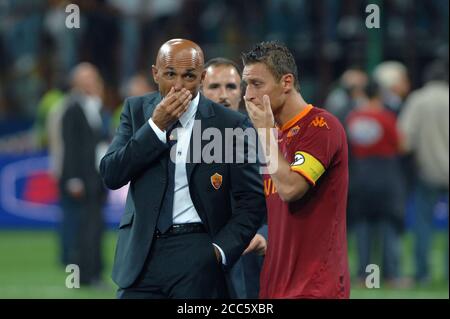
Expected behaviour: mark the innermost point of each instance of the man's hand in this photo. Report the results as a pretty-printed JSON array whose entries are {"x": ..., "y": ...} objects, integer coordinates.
[
  {"x": 261, "y": 115},
  {"x": 257, "y": 245},
  {"x": 169, "y": 110},
  {"x": 75, "y": 188}
]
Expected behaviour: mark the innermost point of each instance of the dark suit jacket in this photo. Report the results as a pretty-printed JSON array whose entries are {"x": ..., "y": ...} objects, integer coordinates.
[
  {"x": 137, "y": 155},
  {"x": 79, "y": 151}
]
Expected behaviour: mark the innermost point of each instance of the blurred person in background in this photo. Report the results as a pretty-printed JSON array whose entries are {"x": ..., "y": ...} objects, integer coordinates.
[
  {"x": 348, "y": 95},
  {"x": 222, "y": 84},
  {"x": 77, "y": 146},
  {"x": 377, "y": 201},
  {"x": 424, "y": 122},
  {"x": 393, "y": 80}
]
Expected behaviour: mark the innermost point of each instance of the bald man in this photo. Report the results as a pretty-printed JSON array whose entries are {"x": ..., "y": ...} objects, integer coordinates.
[
  {"x": 179, "y": 234},
  {"x": 76, "y": 143}
]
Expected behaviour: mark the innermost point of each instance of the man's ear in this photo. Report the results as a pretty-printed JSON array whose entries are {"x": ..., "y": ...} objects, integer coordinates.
[
  {"x": 155, "y": 74},
  {"x": 287, "y": 81},
  {"x": 203, "y": 76}
]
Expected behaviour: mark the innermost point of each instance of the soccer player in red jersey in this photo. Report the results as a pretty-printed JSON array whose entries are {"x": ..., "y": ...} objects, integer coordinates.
[{"x": 306, "y": 194}]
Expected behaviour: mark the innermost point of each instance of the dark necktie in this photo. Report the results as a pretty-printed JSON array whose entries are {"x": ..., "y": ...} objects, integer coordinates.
[{"x": 165, "y": 218}]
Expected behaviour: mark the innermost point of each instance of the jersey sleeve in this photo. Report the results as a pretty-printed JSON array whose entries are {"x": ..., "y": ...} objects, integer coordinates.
[{"x": 313, "y": 151}]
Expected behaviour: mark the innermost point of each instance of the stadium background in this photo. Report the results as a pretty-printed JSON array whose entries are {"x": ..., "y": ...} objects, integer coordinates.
[{"x": 121, "y": 38}]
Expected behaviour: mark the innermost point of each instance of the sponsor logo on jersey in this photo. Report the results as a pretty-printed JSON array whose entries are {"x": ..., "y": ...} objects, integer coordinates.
[{"x": 319, "y": 121}]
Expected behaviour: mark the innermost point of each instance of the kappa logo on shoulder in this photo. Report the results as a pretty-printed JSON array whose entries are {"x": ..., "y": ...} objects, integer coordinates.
[{"x": 319, "y": 121}]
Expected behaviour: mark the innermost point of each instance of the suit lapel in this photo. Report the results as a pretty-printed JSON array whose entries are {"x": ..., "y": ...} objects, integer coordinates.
[
  {"x": 150, "y": 104},
  {"x": 204, "y": 117},
  {"x": 148, "y": 107}
]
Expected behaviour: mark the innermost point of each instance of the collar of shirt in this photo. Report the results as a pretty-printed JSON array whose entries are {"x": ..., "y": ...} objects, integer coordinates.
[{"x": 190, "y": 113}]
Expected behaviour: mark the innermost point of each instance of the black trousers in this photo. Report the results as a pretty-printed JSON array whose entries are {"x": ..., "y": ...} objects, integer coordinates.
[
  {"x": 90, "y": 242},
  {"x": 81, "y": 236},
  {"x": 179, "y": 267}
]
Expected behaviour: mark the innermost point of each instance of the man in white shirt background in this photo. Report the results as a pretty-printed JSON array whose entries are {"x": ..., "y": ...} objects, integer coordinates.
[{"x": 77, "y": 143}]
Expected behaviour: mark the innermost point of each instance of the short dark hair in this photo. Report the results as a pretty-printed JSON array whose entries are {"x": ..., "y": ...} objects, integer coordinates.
[
  {"x": 372, "y": 90},
  {"x": 223, "y": 61},
  {"x": 276, "y": 57}
]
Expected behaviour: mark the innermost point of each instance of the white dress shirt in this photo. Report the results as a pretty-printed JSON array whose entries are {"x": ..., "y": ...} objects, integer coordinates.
[{"x": 183, "y": 207}]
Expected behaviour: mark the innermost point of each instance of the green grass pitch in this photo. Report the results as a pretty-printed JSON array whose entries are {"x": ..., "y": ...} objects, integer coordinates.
[{"x": 29, "y": 269}]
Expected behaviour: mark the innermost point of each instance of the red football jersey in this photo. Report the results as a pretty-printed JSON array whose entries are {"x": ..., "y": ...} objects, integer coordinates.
[
  {"x": 373, "y": 133},
  {"x": 307, "y": 241}
]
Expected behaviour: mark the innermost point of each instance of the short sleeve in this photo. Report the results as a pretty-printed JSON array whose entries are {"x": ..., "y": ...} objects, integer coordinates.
[{"x": 313, "y": 151}]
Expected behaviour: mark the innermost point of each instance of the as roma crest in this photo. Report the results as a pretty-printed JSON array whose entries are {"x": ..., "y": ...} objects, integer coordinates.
[
  {"x": 216, "y": 180},
  {"x": 293, "y": 131}
]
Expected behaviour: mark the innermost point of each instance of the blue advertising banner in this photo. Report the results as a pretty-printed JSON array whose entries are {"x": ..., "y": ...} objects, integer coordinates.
[{"x": 29, "y": 194}]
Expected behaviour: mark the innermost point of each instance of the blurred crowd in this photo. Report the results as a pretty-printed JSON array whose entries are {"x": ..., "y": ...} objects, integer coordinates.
[
  {"x": 388, "y": 87},
  {"x": 37, "y": 50},
  {"x": 399, "y": 152}
]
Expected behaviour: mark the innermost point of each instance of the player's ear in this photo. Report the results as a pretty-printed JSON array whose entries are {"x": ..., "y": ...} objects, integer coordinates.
[
  {"x": 155, "y": 74},
  {"x": 287, "y": 81}
]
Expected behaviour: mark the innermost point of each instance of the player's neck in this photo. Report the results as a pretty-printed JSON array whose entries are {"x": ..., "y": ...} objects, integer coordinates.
[{"x": 294, "y": 105}]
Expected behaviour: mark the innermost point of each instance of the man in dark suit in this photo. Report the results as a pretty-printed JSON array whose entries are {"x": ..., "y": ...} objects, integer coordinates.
[
  {"x": 179, "y": 233},
  {"x": 223, "y": 84},
  {"x": 76, "y": 160}
]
